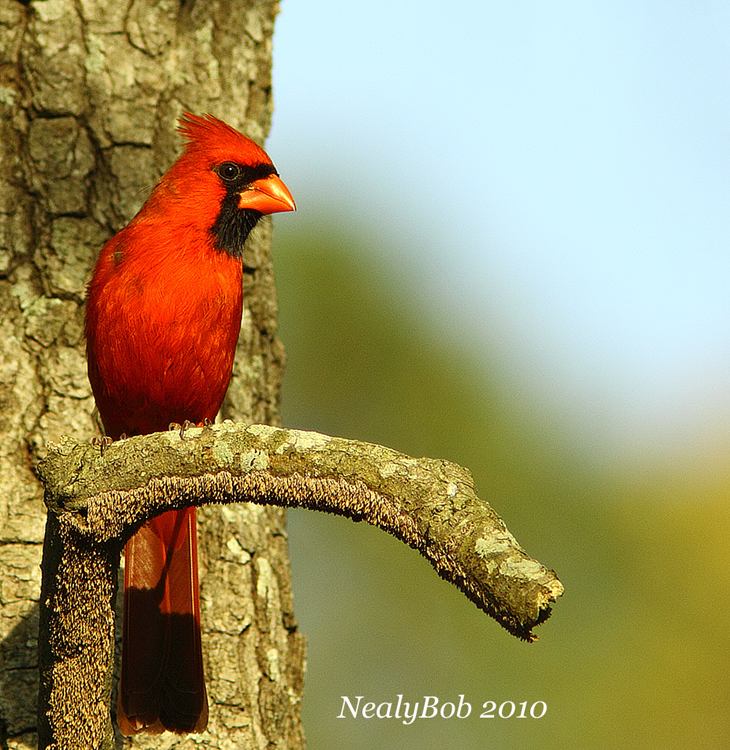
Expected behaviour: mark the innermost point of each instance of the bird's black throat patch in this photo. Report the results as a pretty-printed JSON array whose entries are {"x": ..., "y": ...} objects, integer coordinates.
[{"x": 233, "y": 226}]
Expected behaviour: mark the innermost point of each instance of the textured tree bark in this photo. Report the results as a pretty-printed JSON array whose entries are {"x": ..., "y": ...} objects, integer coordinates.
[
  {"x": 89, "y": 95},
  {"x": 98, "y": 496}
]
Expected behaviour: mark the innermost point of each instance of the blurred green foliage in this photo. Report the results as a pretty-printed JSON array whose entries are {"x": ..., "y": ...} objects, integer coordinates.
[{"x": 634, "y": 655}]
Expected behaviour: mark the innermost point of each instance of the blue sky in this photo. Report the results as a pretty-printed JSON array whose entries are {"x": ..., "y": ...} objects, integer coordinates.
[{"x": 555, "y": 175}]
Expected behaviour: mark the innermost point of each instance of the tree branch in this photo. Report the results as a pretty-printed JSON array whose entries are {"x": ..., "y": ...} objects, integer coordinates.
[{"x": 97, "y": 499}]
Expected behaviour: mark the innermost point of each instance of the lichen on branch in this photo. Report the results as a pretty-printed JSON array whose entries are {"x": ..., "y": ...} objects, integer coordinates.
[
  {"x": 429, "y": 504},
  {"x": 98, "y": 496}
]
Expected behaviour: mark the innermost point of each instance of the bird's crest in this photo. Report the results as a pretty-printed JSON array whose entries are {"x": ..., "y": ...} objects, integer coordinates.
[{"x": 209, "y": 134}]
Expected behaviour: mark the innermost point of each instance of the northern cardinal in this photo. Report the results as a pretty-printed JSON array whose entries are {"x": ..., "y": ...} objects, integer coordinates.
[{"x": 163, "y": 315}]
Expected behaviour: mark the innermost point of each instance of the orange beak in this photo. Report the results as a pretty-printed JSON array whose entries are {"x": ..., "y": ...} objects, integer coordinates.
[{"x": 268, "y": 196}]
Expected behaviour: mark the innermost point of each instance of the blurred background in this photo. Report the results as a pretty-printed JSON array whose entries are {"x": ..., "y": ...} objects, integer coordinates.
[{"x": 511, "y": 251}]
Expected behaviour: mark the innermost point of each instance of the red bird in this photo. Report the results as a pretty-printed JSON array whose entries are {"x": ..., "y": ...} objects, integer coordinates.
[{"x": 163, "y": 316}]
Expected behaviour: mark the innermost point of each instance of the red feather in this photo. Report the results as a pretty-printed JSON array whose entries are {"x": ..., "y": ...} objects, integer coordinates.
[{"x": 162, "y": 321}]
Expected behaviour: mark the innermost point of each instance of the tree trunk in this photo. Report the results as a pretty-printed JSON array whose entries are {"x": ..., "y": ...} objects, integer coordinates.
[{"x": 89, "y": 95}]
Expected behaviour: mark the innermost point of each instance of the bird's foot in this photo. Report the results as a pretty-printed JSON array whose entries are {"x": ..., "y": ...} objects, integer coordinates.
[
  {"x": 101, "y": 442},
  {"x": 186, "y": 425}
]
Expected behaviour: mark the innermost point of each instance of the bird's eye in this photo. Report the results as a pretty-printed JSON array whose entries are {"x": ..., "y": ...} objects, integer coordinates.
[{"x": 228, "y": 170}]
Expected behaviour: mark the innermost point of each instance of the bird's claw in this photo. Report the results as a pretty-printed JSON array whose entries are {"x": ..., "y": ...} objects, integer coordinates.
[
  {"x": 186, "y": 425},
  {"x": 101, "y": 442}
]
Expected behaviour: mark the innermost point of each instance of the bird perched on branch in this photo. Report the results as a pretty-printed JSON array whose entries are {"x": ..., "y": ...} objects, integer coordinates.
[{"x": 163, "y": 316}]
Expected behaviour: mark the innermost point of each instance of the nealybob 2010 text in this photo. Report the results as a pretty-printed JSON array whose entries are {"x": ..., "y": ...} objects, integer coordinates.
[{"x": 432, "y": 708}]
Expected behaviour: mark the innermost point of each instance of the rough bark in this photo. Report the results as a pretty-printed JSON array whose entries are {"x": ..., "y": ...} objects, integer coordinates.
[
  {"x": 105, "y": 493},
  {"x": 98, "y": 497},
  {"x": 89, "y": 95}
]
